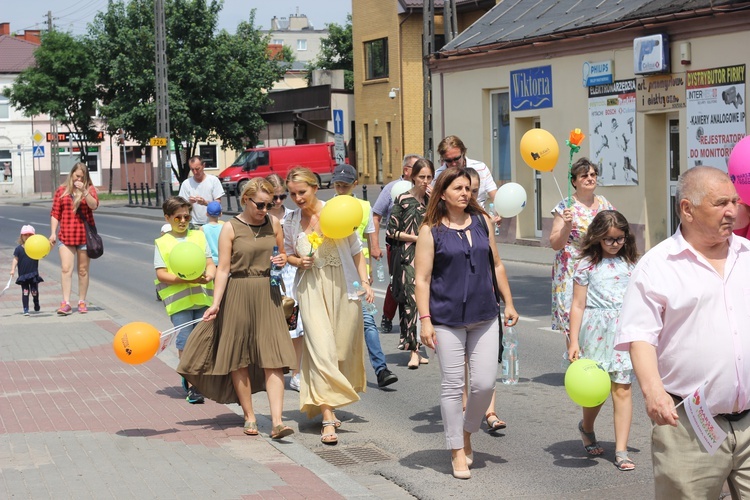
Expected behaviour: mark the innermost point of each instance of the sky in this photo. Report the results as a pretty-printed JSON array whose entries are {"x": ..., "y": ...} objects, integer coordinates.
[{"x": 74, "y": 15}]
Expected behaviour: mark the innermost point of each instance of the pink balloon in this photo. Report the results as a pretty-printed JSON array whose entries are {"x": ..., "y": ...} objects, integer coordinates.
[{"x": 739, "y": 168}]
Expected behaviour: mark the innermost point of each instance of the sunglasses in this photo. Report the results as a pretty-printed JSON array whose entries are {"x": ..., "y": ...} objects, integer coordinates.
[
  {"x": 182, "y": 218},
  {"x": 262, "y": 206},
  {"x": 453, "y": 160},
  {"x": 280, "y": 197},
  {"x": 612, "y": 241}
]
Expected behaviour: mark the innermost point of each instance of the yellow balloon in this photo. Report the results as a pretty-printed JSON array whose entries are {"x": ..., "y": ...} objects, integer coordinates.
[
  {"x": 539, "y": 149},
  {"x": 37, "y": 247},
  {"x": 340, "y": 217}
]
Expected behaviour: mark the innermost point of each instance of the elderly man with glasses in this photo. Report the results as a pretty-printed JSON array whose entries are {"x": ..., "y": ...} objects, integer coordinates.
[{"x": 453, "y": 154}]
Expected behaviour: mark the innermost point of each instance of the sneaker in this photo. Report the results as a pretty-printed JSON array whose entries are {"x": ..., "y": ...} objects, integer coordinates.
[
  {"x": 294, "y": 383},
  {"x": 65, "y": 309},
  {"x": 82, "y": 307},
  {"x": 25, "y": 311},
  {"x": 194, "y": 397},
  {"x": 185, "y": 385},
  {"x": 385, "y": 378},
  {"x": 386, "y": 325}
]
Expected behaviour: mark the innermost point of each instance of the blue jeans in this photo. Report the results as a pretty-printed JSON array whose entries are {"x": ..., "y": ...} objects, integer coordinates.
[
  {"x": 372, "y": 340},
  {"x": 183, "y": 317}
]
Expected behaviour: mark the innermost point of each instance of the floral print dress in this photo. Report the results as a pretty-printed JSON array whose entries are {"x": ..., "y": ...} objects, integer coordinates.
[
  {"x": 606, "y": 283},
  {"x": 406, "y": 216},
  {"x": 566, "y": 258}
]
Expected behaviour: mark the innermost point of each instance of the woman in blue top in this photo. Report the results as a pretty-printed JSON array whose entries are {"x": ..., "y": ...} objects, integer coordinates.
[{"x": 457, "y": 306}]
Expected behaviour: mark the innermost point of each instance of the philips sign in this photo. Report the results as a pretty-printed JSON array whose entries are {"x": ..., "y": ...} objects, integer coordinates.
[{"x": 598, "y": 73}]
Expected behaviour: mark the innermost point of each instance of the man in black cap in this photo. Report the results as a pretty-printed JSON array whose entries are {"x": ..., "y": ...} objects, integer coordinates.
[{"x": 344, "y": 179}]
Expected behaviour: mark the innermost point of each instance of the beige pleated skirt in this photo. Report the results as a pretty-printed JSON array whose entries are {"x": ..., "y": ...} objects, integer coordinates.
[{"x": 249, "y": 331}]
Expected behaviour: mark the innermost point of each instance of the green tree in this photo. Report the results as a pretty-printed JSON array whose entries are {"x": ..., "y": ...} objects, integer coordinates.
[
  {"x": 336, "y": 52},
  {"x": 217, "y": 80},
  {"x": 61, "y": 84}
]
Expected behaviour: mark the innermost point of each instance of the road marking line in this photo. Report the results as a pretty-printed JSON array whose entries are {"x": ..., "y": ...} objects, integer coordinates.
[
  {"x": 548, "y": 329},
  {"x": 16, "y": 220},
  {"x": 113, "y": 237},
  {"x": 530, "y": 320}
]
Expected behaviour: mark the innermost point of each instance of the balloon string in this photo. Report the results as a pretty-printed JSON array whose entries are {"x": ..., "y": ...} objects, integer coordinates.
[
  {"x": 174, "y": 329},
  {"x": 558, "y": 187}
]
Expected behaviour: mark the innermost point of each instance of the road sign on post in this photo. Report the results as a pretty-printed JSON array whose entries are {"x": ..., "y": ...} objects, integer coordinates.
[
  {"x": 38, "y": 151},
  {"x": 159, "y": 142},
  {"x": 339, "y": 148}
]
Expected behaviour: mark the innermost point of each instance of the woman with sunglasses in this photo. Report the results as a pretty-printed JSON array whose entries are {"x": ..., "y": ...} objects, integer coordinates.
[
  {"x": 288, "y": 273},
  {"x": 568, "y": 228},
  {"x": 242, "y": 346},
  {"x": 333, "y": 362}
]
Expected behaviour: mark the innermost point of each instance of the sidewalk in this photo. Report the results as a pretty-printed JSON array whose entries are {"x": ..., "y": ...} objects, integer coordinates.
[{"x": 75, "y": 422}]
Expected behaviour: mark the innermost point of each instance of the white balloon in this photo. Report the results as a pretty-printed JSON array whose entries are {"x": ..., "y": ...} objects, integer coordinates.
[
  {"x": 510, "y": 200},
  {"x": 400, "y": 188}
]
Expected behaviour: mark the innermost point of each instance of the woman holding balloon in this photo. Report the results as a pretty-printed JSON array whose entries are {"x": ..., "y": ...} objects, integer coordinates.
[
  {"x": 403, "y": 227},
  {"x": 571, "y": 220},
  {"x": 333, "y": 368},
  {"x": 243, "y": 345}
]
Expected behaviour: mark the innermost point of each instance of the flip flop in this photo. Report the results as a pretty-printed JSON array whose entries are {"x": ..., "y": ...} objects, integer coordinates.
[
  {"x": 281, "y": 431},
  {"x": 592, "y": 449},
  {"x": 251, "y": 428},
  {"x": 623, "y": 462}
]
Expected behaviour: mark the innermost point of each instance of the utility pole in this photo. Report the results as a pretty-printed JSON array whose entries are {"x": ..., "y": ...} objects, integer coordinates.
[
  {"x": 162, "y": 98},
  {"x": 54, "y": 146},
  {"x": 428, "y": 47},
  {"x": 450, "y": 20}
]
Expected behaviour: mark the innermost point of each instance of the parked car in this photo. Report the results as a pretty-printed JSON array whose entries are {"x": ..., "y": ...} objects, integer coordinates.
[{"x": 260, "y": 162}]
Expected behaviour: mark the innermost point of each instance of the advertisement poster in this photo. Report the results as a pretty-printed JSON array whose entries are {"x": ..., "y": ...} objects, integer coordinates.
[
  {"x": 657, "y": 93},
  {"x": 612, "y": 132},
  {"x": 715, "y": 114}
]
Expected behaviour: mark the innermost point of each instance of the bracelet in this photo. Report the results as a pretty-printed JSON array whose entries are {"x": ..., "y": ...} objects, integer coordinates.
[{"x": 425, "y": 316}]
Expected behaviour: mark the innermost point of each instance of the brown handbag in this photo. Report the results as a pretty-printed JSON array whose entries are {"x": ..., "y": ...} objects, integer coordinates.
[{"x": 291, "y": 309}]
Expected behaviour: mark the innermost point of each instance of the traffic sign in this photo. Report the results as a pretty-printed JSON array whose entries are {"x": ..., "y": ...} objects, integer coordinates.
[
  {"x": 37, "y": 137},
  {"x": 339, "y": 150},
  {"x": 338, "y": 121},
  {"x": 159, "y": 141},
  {"x": 38, "y": 151}
]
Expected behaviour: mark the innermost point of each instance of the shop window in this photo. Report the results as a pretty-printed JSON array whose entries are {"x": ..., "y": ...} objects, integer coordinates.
[
  {"x": 376, "y": 58},
  {"x": 208, "y": 155},
  {"x": 6, "y": 166}
]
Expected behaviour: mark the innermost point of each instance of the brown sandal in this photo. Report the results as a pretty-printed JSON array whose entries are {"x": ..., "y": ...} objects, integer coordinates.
[
  {"x": 281, "y": 431},
  {"x": 251, "y": 428},
  {"x": 494, "y": 424}
]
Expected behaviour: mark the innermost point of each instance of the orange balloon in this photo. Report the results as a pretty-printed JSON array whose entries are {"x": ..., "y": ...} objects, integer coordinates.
[
  {"x": 136, "y": 342},
  {"x": 539, "y": 149}
]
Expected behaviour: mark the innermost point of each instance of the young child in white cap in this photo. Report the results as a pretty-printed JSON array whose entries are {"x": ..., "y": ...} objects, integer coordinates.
[
  {"x": 212, "y": 229},
  {"x": 28, "y": 271}
]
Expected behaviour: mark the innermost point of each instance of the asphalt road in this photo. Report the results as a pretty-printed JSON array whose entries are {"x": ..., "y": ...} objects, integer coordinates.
[{"x": 397, "y": 433}]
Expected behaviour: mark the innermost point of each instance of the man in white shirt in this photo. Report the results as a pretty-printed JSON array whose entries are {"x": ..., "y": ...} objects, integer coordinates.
[
  {"x": 453, "y": 154},
  {"x": 200, "y": 190}
]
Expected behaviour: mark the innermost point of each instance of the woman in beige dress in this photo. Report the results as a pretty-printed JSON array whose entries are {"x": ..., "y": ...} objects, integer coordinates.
[
  {"x": 243, "y": 345},
  {"x": 333, "y": 363}
]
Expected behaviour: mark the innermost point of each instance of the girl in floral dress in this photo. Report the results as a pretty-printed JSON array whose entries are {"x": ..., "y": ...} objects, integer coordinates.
[{"x": 608, "y": 256}]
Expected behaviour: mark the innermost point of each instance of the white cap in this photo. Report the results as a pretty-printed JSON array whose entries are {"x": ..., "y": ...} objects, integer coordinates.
[
  {"x": 166, "y": 228},
  {"x": 28, "y": 229}
]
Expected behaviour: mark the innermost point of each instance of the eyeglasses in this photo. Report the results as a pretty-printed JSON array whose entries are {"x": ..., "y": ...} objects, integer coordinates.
[
  {"x": 182, "y": 218},
  {"x": 612, "y": 241},
  {"x": 262, "y": 206},
  {"x": 453, "y": 160},
  {"x": 280, "y": 197}
]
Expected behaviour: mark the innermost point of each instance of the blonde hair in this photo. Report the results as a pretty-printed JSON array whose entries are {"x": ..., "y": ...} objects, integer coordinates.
[
  {"x": 253, "y": 186},
  {"x": 276, "y": 181},
  {"x": 69, "y": 188},
  {"x": 302, "y": 174}
]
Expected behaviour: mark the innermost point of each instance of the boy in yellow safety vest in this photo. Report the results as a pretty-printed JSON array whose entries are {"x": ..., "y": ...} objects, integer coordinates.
[
  {"x": 185, "y": 300},
  {"x": 344, "y": 179}
]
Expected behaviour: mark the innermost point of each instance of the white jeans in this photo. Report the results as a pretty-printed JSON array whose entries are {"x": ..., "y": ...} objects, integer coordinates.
[{"x": 478, "y": 343}]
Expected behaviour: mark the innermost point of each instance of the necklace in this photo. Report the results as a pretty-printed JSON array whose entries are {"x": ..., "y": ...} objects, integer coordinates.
[{"x": 255, "y": 233}]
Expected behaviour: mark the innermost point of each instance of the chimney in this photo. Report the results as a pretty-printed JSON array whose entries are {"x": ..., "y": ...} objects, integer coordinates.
[
  {"x": 32, "y": 36},
  {"x": 4, "y": 28},
  {"x": 274, "y": 24}
]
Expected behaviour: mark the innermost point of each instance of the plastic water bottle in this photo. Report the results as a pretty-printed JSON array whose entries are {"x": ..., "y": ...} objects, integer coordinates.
[
  {"x": 510, "y": 356},
  {"x": 380, "y": 271},
  {"x": 275, "y": 270},
  {"x": 366, "y": 306},
  {"x": 492, "y": 214}
]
